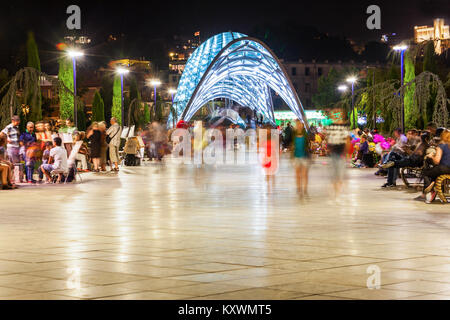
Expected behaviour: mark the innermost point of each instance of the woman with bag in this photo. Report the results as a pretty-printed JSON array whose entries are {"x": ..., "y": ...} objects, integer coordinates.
[{"x": 95, "y": 138}]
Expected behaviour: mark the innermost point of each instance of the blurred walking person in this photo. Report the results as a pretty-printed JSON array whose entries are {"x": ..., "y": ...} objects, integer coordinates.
[
  {"x": 337, "y": 134},
  {"x": 301, "y": 158},
  {"x": 269, "y": 154},
  {"x": 158, "y": 138},
  {"x": 104, "y": 146}
]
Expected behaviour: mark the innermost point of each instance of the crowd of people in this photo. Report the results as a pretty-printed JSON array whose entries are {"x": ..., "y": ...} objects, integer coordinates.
[
  {"x": 44, "y": 151},
  {"x": 428, "y": 150},
  {"x": 41, "y": 153}
]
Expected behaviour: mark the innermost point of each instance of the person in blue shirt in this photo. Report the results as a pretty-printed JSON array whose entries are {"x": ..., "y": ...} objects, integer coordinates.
[
  {"x": 441, "y": 159},
  {"x": 301, "y": 157},
  {"x": 27, "y": 139}
]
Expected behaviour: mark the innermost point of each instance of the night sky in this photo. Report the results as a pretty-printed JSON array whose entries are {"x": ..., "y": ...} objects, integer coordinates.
[{"x": 152, "y": 24}]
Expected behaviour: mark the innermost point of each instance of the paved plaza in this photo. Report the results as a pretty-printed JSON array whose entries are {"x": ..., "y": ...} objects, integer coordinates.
[{"x": 163, "y": 231}]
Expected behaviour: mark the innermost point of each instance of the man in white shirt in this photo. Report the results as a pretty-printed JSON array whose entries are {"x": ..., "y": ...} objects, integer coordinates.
[
  {"x": 12, "y": 134},
  {"x": 57, "y": 161},
  {"x": 114, "y": 132}
]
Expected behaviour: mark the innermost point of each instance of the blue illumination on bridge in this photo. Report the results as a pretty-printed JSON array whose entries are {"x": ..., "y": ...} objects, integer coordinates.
[{"x": 233, "y": 66}]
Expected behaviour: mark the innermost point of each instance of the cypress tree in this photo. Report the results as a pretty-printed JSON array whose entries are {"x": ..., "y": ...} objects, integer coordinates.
[
  {"x": 146, "y": 114},
  {"x": 98, "y": 108},
  {"x": 106, "y": 93},
  {"x": 81, "y": 116},
  {"x": 65, "y": 75},
  {"x": 32, "y": 52},
  {"x": 411, "y": 117},
  {"x": 34, "y": 62},
  {"x": 429, "y": 64},
  {"x": 116, "y": 110}
]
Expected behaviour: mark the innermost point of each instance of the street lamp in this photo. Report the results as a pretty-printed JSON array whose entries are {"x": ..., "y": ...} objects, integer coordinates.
[
  {"x": 172, "y": 92},
  {"x": 155, "y": 83},
  {"x": 122, "y": 71},
  {"x": 402, "y": 49},
  {"x": 74, "y": 54},
  {"x": 342, "y": 88},
  {"x": 352, "y": 80}
]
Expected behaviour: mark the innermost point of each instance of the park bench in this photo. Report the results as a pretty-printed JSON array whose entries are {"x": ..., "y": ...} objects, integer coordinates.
[
  {"x": 442, "y": 187},
  {"x": 412, "y": 176}
]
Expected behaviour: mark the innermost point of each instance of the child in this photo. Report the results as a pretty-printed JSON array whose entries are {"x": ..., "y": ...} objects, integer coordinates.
[
  {"x": 269, "y": 160},
  {"x": 45, "y": 156}
]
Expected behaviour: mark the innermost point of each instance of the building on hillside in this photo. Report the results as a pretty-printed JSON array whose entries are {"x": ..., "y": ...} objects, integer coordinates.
[
  {"x": 439, "y": 33},
  {"x": 179, "y": 57},
  {"x": 77, "y": 40}
]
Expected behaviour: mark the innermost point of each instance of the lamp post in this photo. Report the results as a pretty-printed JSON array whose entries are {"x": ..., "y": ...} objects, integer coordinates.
[
  {"x": 342, "y": 88},
  {"x": 74, "y": 54},
  {"x": 172, "y": 92},
  {"x": 352, "y": 80},
  {"x": 155, "y": 83},
  {"x": 402, "y": 49},
  {"x": 122, "y": 71}
]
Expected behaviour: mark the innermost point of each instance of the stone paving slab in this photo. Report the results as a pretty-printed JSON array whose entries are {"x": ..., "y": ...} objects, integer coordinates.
[{"x": 163, "y": 231}]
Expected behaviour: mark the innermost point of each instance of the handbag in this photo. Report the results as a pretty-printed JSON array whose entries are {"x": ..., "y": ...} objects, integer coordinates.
[{"x": 109, "y": 139}]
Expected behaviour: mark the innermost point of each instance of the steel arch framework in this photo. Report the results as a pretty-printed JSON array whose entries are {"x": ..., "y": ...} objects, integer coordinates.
[{"x": 236, "y": 67}]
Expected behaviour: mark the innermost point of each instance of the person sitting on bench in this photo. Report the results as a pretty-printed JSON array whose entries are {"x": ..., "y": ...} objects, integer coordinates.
[
  {"x": 414, "y": 160},
  {"x": 57, "y": 161},
  {"x": 441, "y": 159},
  {"x": 6, "y": 168}
]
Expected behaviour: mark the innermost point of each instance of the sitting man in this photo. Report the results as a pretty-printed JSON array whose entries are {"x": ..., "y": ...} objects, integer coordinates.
[
  {"x": 413, "y": 140},
  {"x": 416, "y": 159},
  {"x": 6, "y": 169},
  {"x": 57, "y": 160}
]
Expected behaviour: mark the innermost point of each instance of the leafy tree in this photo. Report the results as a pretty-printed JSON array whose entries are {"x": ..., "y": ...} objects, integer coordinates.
[
  {"x": 134, "y": 90},
  {"x": 429, "y": 59},
  {"x": 4, "y": 78},
  {"x": 430, "y": 65},
  {"x": 98, "y": 108},
  {"x": 327, "y": 94},
  {"x": 65, "y": 75},
  {"x": 22, "y": 86}
]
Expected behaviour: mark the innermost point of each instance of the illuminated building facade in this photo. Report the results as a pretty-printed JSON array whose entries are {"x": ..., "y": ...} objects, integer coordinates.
[
  {"x": 439, "y": 33},
  {"x": 234, "y": 66},
  {"x": 74, "y": 40}
]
